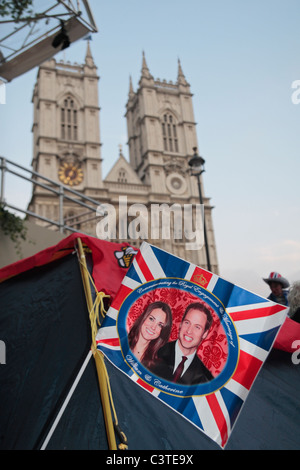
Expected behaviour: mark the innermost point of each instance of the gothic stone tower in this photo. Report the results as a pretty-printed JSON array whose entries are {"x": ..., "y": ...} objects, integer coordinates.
[
  {"x": 66, "y": 133},
  {"x": 161, "y": 137}
]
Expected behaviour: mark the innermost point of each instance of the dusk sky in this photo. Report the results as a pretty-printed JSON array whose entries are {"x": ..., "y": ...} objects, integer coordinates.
[{"x": 242, "y": 61}]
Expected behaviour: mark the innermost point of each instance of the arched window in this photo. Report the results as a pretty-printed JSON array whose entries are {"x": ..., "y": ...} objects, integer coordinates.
[
  {"x": 169, "y": 133},
  {"x": 69, "y": 120}
]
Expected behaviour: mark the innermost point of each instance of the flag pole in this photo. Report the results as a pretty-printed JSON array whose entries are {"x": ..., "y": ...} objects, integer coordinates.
[{"x": 99, "y": 360}]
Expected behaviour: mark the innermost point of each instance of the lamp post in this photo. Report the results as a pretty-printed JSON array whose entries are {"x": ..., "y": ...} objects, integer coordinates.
[{"x": 197, "y": 166}]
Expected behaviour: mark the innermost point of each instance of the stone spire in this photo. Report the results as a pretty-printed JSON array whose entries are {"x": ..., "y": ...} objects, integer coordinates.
[
  {"x": 145, "y": 73},
  {"x": 180, "y": 76},
  {"x": 131, "y": 95},
  {"x": 131, "y": 91},
  {"x": 89, "y": 61},
  {"x": 145, "y": 69}
]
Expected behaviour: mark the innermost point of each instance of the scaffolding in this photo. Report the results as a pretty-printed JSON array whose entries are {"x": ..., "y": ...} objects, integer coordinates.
[{"x": 64, "y": 194}]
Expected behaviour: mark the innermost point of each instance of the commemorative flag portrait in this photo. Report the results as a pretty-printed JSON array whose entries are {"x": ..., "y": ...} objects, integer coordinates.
[{"x": 190, "y": 338}]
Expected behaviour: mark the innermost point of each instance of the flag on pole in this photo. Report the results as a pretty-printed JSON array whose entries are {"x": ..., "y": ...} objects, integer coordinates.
[{"x": 232, "y": 344}]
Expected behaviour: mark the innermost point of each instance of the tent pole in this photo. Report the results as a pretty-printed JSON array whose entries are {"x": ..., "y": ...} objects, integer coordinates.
[
  {"x": 98, "y": 356},
  {"x": 71, "y": 391}
]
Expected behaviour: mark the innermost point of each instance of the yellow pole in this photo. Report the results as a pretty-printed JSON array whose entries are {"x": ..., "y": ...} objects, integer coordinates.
[{"x": 98, "y": 356}]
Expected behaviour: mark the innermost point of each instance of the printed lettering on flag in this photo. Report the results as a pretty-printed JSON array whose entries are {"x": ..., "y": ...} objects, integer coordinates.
[{"x": 167, "y": 307}]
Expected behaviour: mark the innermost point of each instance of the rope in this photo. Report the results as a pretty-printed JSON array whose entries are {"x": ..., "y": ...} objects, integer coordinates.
[{"x": 95, "y": 309}]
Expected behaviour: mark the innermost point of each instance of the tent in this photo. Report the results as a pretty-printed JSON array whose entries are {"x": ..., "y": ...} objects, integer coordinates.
[{"x": 50, "y": 395}]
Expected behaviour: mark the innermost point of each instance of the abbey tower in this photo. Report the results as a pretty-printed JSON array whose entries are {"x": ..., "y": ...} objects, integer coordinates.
[{"x": 161, "y": 137}]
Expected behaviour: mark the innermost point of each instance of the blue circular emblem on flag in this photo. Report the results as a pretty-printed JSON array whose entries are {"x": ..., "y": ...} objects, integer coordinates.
[{"x": 152, "y": 340}]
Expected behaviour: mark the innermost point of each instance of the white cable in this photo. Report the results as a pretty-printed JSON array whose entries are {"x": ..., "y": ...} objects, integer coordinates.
[{"x": 71, "y": 391}]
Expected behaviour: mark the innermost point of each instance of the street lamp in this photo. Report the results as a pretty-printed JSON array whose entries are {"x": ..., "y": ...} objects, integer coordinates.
[{"x": 197, "y": 166}]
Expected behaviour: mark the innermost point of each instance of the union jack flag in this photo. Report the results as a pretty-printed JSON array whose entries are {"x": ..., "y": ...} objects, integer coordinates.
[{"x": 245, "y": 327}]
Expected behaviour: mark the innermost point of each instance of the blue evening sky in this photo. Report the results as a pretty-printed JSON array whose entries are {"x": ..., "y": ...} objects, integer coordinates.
[{"x": 241, "y": 59}]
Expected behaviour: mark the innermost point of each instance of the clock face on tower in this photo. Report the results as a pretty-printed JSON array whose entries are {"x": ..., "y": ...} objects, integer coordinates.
[{"x": 70, "y": 174}]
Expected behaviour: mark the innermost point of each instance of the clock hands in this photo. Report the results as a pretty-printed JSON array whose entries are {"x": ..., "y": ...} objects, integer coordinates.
[{"x": 70, "y": 174}]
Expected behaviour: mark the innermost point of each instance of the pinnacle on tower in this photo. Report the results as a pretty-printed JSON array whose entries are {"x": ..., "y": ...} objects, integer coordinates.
[
  {"x": 145, "y": 71},
  {"x": 180, "y": 76},
  {"x": 131, "y": 91},
  {"x": 88, "y": 57}
]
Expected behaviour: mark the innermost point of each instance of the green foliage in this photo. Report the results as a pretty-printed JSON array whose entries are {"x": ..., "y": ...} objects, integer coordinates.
[
  {"x": 14, "y": 227},
  {"x": 15, "y": 8}
]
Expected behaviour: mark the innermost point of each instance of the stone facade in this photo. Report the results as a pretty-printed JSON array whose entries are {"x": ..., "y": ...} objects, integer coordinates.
[{"x": 161, "y": 137}]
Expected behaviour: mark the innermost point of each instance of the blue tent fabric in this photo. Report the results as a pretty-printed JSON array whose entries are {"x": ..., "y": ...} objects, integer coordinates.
[{"x": 45, "y": 326}]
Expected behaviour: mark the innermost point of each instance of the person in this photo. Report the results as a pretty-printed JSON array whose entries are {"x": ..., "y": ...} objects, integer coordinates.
[
  {"x": 150, "y": 332},
  {"x": 294, "y": 301},
  {"x": 182, "y": 353},
  {"x": 277, "y": 283}
]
